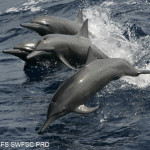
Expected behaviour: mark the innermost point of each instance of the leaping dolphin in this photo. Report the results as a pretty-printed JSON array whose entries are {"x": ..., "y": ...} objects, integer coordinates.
[
  {"x": 75, "y": 91},
  {"x": 50, "y": 25},
  {"x": 70, "y": 49}
]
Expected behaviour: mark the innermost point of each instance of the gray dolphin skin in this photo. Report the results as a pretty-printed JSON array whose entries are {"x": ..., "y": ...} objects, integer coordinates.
[
  {"x": 22, "y": 50},
  {"x": 75, "y": 91},
  {"x": 50, "y": 25},
  {"x": 70, "y": 49}
]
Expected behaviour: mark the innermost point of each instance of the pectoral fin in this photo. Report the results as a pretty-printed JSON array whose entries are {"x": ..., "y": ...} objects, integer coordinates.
[
  {"x": 66, "y": 62},
  {"x": 82, "y": 109},
  {"x": 35, "y": 54}
]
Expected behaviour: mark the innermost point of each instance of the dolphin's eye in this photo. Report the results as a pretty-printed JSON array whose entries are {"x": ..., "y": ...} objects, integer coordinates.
[
  {"x": 47, "y": 25},
  {"x": 45, "y": 38}
]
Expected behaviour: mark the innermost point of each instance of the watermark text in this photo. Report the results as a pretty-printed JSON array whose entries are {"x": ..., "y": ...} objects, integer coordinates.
[{"x": 23, "y": 144}]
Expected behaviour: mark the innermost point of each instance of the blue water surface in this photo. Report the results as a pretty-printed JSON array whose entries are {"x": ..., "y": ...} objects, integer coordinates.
[{"x": 122, "y": 121}]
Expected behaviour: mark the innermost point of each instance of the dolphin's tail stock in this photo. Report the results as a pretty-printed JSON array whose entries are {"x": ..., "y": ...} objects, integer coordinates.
[{"x": 143, "y": 72}]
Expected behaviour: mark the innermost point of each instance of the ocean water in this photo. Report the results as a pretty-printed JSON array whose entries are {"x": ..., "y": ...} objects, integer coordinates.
[{"x": 121, "y": 29}]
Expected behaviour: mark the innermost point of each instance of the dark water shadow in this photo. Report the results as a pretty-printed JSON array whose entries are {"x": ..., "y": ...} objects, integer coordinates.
[{"x": 38, "y": 73}]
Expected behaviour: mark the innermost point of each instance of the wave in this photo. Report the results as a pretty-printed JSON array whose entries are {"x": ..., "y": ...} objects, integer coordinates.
[
  {"x": 34, "y": 6},
  {"x": 115, "y": 39},
  {"x": 30, "y": 5}
]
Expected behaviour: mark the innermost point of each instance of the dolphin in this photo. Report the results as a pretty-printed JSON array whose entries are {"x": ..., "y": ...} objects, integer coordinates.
[
  {"x": 22, "y": 50},
  {"x": 52, "y": 25},
  {"x": 70, "y": 49},
  {"x": 74, "y": 92}
]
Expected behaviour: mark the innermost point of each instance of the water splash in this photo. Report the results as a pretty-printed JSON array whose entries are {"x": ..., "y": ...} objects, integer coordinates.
[
  {"x": 30, "y": 5},
  {"x": 142, "y": 81},
  {"x": 107, "y": 35}
]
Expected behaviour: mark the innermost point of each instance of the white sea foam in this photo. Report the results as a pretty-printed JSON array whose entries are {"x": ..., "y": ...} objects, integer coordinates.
[
  {"x": 30, "y": 2},
  {"x": 34, "y": 9},
  {"x": 29, "y": 5},
  {"x": 131, "y": 2},
  {"x": 108, "y": 36},
  {"x": 108, "y": 3},
  {"x": 12, "y": 9},
  {"x": 33, "y": 2},
  {"x": 141, "y": 81}
]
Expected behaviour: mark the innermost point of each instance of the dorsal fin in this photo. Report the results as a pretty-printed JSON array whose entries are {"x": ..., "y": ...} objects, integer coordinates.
[
  {"x": 80, "y": 16},
  {"x": 90, "y": 56},
  {"x": 84, "y": 30}
]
